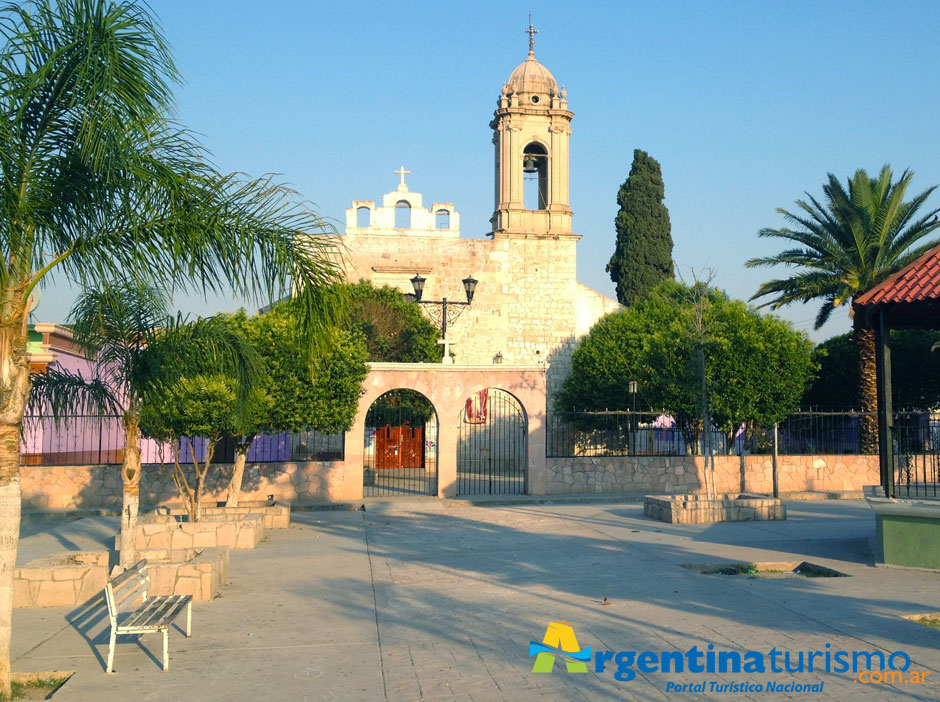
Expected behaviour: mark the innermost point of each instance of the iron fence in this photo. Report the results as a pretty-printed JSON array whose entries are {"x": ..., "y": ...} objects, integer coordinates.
[
  {"x": 916, "y": 455},
  {"x": 624, "y": 433},
  {"x": 99, "y": 440},
  {"x": 615, "y": 433}
]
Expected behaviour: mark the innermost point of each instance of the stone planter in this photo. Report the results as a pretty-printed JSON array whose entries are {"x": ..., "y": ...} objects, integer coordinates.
[
  {"x": 161, "y": 531},
  {"x": 701, "y": 509},
  {"x": 187, "y": 571},
  {"x": 276, "y": 516},
  {"x": 65, "y": 579}
]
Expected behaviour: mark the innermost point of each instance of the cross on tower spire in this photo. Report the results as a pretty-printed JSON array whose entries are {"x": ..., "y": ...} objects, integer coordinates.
[{"x": 531, "y": 31}]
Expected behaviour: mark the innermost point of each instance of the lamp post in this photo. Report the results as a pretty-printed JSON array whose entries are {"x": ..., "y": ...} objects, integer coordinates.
[
  {"x": 443, "y": 311},
  {"x": 632, "y": 388}
]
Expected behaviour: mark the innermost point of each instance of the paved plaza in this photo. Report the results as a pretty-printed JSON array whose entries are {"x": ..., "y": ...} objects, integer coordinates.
[{"x": 431, "y": 600}]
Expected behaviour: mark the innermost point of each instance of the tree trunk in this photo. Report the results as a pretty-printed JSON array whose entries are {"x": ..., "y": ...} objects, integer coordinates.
[
  {"x": 14, "y": 389},
  {"x": 238, "y": 473},
  {"x": 868, "y": 390},
  {"x": 130, "y": 475},
  {"x": 197, "y": 497}
]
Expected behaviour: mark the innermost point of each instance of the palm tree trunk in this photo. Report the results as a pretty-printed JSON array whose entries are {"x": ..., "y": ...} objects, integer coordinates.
[
  {"x": 238, "y": 473},
  {"x": 868, "y": 389},
  {"x": 14, "y": 389},
  {"x": 130, "y": 475}
]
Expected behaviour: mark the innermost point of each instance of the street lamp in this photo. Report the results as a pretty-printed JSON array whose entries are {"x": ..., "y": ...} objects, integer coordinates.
[
  {"x": 632, "y": 388},
  {"x": 443, "y": 311}
]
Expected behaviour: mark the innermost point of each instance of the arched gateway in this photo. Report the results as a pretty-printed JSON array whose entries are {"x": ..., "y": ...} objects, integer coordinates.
[
  {"x": 491, "y": 444},
  {"x": 446, "y": 388},
  {"x": 400, "y": 446}
]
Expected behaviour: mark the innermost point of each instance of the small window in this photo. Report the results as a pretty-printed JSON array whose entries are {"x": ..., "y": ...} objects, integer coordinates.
[
  {"x": 402, "y": 215},
  {"x": 363, "y": 217},
  {"x": 442, "y": 219}
]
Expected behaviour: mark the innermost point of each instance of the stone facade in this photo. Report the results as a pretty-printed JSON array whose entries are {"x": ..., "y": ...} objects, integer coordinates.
[{"x": 528, "y": 306}]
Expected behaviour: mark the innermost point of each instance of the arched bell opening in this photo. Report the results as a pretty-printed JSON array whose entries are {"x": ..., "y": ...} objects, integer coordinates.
[{"x": 535, "y": 177}]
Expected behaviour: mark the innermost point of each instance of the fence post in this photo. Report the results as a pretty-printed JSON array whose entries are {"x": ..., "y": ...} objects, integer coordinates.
[{"x": 776, "y": 484}]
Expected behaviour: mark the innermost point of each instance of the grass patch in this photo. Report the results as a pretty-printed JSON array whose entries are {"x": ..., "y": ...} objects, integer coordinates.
[
  {"x": 931, "y": 620},
  {"x": 802, "y": 569},
  {"x": 39, "y": 686}
]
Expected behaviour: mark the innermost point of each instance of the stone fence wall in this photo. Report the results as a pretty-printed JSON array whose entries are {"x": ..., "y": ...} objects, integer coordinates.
[
  {"x": 684, "y": 474},
  {"x": 76, "y": 487}
]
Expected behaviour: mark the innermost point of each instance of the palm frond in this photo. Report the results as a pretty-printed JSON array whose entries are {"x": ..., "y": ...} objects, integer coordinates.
[{"x": 60, "y": 393}]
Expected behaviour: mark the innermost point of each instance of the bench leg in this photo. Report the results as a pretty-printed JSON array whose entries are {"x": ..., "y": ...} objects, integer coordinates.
[
  {"x": 111, "y": 650},
  {"x": 189, "y": 619},
  {"x": 166, "y": 649}
]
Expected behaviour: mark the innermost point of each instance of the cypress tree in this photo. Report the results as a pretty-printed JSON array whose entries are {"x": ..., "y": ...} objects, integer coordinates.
[{"x": 643, "y": 255}]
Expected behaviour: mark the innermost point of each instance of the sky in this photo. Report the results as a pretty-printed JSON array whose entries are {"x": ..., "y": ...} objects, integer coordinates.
[{"x": 746, "y": 105}]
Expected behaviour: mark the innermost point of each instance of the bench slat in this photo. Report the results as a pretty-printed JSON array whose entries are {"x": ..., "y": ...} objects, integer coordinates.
[
  {"x": 129, "y": 595},
  {"x": 158, "y": 612},
  {"x": 118, "y": 580}
]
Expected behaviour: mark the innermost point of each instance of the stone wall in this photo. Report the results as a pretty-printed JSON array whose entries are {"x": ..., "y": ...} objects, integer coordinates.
[
  {"x": 685, "y": 474},
  {"x": 80, "y": 487}
]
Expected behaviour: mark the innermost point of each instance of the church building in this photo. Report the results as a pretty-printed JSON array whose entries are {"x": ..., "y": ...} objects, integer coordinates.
[{"x": 528, "y": 307}]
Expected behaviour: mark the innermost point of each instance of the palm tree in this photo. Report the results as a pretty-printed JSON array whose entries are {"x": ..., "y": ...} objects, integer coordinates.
[
  {"x": 96, "y": 183},
  {"x": 855, "y": 240},
  {"x": 139, "y": 350}
]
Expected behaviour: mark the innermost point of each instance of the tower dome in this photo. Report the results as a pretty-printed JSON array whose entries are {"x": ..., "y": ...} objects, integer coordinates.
[{"x": 531, "y": 77}]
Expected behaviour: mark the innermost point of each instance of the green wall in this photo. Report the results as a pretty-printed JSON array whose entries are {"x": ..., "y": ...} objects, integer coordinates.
[{"x": 909, "y": 541}]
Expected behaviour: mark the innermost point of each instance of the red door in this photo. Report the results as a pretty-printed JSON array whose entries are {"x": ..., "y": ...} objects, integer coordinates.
[{"x": 399, "y": 447}]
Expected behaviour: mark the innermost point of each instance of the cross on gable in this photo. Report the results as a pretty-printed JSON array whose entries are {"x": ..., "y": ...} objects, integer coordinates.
[{"x": 402, "y": 172}]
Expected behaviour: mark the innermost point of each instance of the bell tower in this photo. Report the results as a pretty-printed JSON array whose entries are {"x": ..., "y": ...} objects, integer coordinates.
[{"x": 531, "y": 127}]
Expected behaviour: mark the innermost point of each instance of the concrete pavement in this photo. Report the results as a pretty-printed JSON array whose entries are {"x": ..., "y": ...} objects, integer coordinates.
[{"x": 428, "y": 600}]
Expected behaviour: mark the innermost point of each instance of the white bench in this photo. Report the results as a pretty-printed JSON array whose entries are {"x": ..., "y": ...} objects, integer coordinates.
[{"x": 132, "y": 612}]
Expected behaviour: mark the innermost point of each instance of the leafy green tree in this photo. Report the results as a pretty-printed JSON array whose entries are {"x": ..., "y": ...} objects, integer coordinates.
[
  {"x": 395, "y": 331},
  {"x": 915, "y": 372},
  {"x": 842, "y": 247},
  {"x": 96, "y": 182},
  {"x": 756, "y": 366},
  {"x": 136, "y": 346},
  {"x": 643, "y": 254},
  {"x": 293, "y": 396},
  {"x": 203, "y": 406}
]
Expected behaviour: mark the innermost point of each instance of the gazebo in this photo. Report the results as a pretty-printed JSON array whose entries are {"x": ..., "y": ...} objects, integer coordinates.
[{"x": 908, "y": 532}]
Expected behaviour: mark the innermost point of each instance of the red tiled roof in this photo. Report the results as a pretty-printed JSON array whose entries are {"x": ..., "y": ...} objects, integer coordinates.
[{"x": 918, "y": 281}]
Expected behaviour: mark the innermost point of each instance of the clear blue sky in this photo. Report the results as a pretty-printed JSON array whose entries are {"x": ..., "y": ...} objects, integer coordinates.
[{"x": 745, "y": 104}]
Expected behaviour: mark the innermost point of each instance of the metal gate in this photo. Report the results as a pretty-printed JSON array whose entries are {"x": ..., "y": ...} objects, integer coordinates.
[
  {"x": 491, "y": 445},
  {"x": 400, "y": 449}
]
